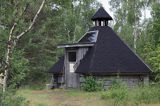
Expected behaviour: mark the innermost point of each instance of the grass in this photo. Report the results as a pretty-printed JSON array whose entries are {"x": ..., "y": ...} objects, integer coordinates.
[
  {"x": 121, "y": 95},
  {"x": 61, "y": 97}
]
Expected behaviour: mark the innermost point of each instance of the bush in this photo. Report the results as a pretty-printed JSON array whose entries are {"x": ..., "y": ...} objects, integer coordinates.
[
  {"x": 118, "y": 92},
  {"x": 91, "y": 85},
  {"x": 10, "y": 99}
]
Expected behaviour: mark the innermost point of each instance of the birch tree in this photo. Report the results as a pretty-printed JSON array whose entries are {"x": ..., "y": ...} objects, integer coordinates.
[
  {"x": 35, "y": 52},
  {"x": 13, "y": 40},
  {"x": 128, "y": 15}
]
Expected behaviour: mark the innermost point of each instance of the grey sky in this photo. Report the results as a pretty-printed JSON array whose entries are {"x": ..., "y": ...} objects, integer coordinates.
[{"x": 107, "y": 8}]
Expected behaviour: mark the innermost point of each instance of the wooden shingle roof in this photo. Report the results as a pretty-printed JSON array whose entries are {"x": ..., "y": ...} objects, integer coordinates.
[{"x": 110, "y": 55}]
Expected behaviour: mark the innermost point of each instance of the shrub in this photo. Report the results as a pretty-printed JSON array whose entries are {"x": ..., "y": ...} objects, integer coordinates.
[
  {"x": 19, "y": 67},
  {"x": 10, "y": 99},
  {"x": 90, "y": 84},
  {"x": 118, "y": 92}
]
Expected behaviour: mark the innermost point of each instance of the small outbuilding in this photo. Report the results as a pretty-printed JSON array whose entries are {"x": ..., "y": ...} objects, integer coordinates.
[{"x": 102, "y": 54}]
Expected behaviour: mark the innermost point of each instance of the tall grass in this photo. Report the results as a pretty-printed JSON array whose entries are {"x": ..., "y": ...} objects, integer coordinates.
[
  {"x": 146, "y": 94},
  {"x": 9, "y": 98},
  {"x": 120, "y": 94}
]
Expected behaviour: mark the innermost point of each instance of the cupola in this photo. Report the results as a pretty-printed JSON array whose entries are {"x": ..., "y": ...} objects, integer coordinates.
[{"x": 101, "y": 17}]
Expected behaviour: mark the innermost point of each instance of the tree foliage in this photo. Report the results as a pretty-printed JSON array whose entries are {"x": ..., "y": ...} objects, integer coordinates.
[
  {"x": 65, "y": 21},
  {"x": 129, "y": 22},
  {"x": 60, "y": 21}
]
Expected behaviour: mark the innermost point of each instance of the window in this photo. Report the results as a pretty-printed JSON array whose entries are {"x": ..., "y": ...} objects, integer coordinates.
[
  {"x": 92, "y": 37},
  {"x": 89, "y": 37},
  {"x": 72, "y": 56}
]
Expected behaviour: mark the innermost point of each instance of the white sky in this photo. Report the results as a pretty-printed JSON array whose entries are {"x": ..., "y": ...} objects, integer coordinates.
[{"x": 106, "y": 5}]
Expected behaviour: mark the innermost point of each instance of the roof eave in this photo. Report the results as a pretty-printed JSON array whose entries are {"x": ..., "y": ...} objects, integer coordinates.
[
  {"x": 112, "y": 74},
  {"x": 94, "y": 19},
  {"x": 75, "y": 45}
]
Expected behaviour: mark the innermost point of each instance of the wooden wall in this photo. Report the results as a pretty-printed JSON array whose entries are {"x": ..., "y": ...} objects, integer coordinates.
[
  {"x": 72, "y": 79},
  {"x": 129, "y": 81}
]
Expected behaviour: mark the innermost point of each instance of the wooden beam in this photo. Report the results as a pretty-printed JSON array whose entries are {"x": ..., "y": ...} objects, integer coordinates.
[{"x": 74, "y": 45}]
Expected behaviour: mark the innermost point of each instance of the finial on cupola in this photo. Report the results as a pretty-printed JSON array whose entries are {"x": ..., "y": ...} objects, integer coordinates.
[{"x": 101, "y": 17}]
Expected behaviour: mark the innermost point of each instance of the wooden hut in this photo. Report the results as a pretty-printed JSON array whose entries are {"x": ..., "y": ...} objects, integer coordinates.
[{"x": 100, "y": 53}]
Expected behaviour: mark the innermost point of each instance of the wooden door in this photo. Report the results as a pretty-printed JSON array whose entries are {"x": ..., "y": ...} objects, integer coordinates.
[{"x": 72, "y": 79}]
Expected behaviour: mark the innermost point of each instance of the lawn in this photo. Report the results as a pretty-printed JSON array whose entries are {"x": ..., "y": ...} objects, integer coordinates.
[{"x": 60, "y": 97}]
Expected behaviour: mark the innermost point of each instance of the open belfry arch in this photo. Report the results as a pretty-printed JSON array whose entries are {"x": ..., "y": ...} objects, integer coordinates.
[{"x": 100, "y": 53}]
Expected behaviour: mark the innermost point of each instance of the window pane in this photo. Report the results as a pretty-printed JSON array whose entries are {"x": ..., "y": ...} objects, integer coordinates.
[
  {"x": 72, "y": 56},
  {"x": 90, "y": 37}
]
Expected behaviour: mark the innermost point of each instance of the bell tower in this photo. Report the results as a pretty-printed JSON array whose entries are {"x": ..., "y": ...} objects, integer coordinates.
[{"x": 101, "y": 17}]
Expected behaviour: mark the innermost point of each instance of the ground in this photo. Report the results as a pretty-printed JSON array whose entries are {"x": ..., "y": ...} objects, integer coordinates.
[{"x": 60, "y": 97}]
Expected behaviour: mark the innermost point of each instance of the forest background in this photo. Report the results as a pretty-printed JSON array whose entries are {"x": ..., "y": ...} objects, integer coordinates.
[{"x": 65, "y": 21}]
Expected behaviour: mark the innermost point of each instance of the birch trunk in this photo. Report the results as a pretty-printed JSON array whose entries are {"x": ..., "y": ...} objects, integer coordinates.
[
  {"x": 8, "y": 57},
  {"x": 6, "y": 72},
  {"x": 11, "y": 45}
]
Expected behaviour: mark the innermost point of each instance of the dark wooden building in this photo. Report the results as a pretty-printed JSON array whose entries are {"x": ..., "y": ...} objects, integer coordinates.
[{"x": 101, "y": 53}]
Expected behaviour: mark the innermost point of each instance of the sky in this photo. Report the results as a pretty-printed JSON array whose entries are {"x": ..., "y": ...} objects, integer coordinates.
[{"x": 106, "y": 5}]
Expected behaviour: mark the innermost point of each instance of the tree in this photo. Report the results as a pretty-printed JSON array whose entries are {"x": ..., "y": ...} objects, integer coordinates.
[
  {"x": 127, "y": 17},
  {"x": 60, "y": 21},
  {"x": 156, "y": 23},
  {"x": 13, "y": 39},
  {"x": 151, "y": 51},
  {"x": 64, "y": 23}
]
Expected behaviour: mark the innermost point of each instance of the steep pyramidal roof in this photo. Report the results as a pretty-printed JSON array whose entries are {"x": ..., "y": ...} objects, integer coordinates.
[
  {"x": 101, "y": 14},
  {"x": 110, "y": 55}
]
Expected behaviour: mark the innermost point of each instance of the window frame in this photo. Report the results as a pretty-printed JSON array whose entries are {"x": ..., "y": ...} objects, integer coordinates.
[{"x": 72, "y": 51}]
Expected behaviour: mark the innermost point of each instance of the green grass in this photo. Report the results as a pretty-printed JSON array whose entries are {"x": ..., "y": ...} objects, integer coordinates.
[
  {"x": 60, "y": 97},
  {"x": 136, "y": 96},
  {"x": 140, "y": 96}
]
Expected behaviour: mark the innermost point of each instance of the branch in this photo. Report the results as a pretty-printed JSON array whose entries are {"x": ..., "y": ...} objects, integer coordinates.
[
  {"x": 11, "y": 31},
  {"x": 15, "y": 23},
  {"x": 32, "y": 23}
]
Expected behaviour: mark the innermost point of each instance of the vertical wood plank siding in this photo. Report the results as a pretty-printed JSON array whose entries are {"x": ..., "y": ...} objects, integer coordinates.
[
  {"x": 80, "y": 54},
  {"x": 72, "y": 79},
  {"x": 129, "y": 81}
]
